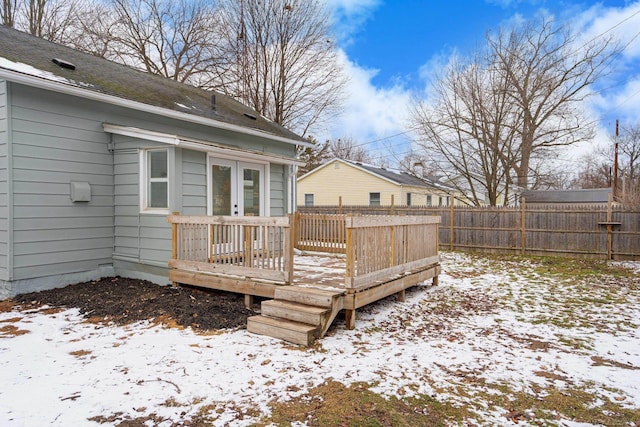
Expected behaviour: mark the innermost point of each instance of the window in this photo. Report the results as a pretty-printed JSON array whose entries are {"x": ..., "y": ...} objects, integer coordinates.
[
  {"x": 308, "y": 199},
  {"x": 374, "y": 199},
  {"x": 429, "y": 200},
  {"x": 155, "y": 175},
  {"x": 408, "y": 199}
]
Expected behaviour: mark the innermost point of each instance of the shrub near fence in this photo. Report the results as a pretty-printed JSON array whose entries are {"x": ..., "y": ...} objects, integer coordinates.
[{"x": 603, "y": 231}]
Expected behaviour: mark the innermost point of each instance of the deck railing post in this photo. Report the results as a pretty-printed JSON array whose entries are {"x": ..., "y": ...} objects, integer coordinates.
[
  {"x": 290, "y": 233},
  {"x": 174, "y": 238},
  {"x": 350, "y": 263}
]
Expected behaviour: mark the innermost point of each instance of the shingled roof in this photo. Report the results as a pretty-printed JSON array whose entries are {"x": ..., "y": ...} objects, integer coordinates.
[
  {"x": 397, "y": 176},
  {"x": 23, "y": 53}
]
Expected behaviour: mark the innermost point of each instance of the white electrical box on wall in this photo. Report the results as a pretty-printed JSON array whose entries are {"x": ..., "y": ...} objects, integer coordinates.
[{"x": 80, "y": 191}]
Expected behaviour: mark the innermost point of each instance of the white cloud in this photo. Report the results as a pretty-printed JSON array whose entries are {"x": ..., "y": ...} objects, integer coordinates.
[
  {"x": 350, "y": 15},
  {"x": 371, "y": 113}
]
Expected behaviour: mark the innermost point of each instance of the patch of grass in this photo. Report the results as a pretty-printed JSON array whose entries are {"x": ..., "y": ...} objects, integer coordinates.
[
  {"x": 547, "y": 405},
  {"x": 333, "y": 403}
]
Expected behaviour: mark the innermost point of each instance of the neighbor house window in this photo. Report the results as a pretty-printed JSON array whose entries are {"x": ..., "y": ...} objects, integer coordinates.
[
  {"x": 408, "y": 199},
  {"x": 155, "y": 173},
  {"x": 374, "y": 199},
  {"x": 308, "y": 199},
  {"x": 429, "y": 202}
]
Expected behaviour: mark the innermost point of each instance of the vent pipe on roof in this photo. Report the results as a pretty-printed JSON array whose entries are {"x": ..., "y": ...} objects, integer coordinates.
[{"x": 64, "y": 64}]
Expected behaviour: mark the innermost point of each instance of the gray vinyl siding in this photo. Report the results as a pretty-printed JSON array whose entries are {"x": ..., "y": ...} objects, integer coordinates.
[
  {"x": 53, "y": 143},
  {"x": 142, "y": 237},
  {"x": 4, "y": 196},
  {"x": 55, "y": 139},
  {"x": 194, "y": 183},
  {"x": 278, "y": 187}
]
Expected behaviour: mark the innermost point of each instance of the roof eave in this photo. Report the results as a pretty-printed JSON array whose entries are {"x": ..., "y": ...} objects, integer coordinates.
[{"x": 67, "y": 89}]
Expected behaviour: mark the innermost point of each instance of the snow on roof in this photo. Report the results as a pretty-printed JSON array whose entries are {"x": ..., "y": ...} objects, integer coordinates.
[{"x": 32, "y": 71}]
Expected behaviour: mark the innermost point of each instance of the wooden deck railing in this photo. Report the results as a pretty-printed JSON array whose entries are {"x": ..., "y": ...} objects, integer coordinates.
[
  {"x": 255, "y": 247},
  {"x": 380, "y": 248},
  {"x": 321, "y": 233}
]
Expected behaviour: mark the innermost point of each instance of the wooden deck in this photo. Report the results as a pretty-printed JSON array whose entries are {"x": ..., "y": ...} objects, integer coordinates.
[{"x": 359, "y": 260}]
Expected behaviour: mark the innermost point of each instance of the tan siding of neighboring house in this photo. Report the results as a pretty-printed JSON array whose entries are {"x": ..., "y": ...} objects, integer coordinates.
[{"x": 328, "y": 184}]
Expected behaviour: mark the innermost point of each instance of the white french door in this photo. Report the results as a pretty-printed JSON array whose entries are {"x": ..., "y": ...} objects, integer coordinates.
[{"x": 236, "y": 188}]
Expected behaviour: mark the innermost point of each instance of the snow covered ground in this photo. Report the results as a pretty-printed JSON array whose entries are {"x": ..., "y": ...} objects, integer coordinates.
[{"x": 492, "y": 321}]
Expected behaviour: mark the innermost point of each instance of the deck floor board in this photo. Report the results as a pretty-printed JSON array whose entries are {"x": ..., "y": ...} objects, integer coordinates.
[{"x": 319, "y": 271}]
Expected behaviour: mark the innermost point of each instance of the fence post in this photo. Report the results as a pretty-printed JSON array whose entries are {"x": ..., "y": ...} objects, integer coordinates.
[
  {"x": 340, "y": 205},
  {"x": 522, "y": 225},
  {"x": 451, "y": 216},
  {"x": 392, "y": 211},
  {"x": 609, "y": 227}
]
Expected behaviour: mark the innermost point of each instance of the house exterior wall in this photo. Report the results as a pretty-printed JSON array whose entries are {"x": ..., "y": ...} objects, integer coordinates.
[
  {"x": 4, "y": 184},
  {"x": 51, "y": 142},
  {"x": 54, "y": 139},
  {"x": 354, "y": 185}
]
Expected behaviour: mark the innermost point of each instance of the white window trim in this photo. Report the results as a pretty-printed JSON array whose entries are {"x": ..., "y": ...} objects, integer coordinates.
[{"x": 145, "y": 180}]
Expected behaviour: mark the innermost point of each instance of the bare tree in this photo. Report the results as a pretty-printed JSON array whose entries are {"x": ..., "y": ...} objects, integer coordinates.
[
  {"x": 8, "y": 12},
  {"x": 471, "y": 128},
  {"x": 48, "y": 19},
  {"x": 549, "y": 73},
  {"x": 174, "y": 39},
  {"x": 496, "y": 121},
  {"x": 347, "y": 149},
  {"x": 286, "y": 65}
]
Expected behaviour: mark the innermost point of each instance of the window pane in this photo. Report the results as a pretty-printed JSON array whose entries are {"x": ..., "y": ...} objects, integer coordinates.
[
  {"x": 158, "y": 164},
  {"x": 158, "y": 195},
  {"x": 251, "y": 190},
  {"x": 221, "y": 191},
  {"x": 374, "y": 199},
  {"x": 308, "y": 199}
]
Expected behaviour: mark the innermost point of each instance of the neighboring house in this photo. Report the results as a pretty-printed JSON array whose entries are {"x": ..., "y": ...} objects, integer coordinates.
[
  {"x": 361, "y": 184},
  {"x": 94, "y": 155},
  {"x": 587, "y": 196},
  {"x": 466, "y": 195}
]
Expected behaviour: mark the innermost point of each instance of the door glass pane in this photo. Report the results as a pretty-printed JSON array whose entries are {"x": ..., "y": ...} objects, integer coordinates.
[
  {"x": 221, "y": 190},
  {"x": 251, "y": 192}
]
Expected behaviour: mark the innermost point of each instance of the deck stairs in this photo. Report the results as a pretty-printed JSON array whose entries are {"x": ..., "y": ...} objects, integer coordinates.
[{"x": 297, "y": 314}]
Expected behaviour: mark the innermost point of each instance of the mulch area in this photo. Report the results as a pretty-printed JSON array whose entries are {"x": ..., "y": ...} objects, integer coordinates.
[{"x": 122, "y": 301}]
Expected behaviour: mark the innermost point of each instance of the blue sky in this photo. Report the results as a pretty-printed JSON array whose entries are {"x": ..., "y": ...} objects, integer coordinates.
[{"x": 390, "y": 48}]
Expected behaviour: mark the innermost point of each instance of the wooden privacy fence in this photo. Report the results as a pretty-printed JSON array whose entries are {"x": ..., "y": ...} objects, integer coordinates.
[{"x": 605, "y": 231}]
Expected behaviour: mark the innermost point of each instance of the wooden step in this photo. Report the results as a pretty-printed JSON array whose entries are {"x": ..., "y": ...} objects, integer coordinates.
[
  {"x": 294, "y": 311},
  {"x": 294, "y": 332},
  {"x": 307, "y": 296}
]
